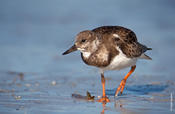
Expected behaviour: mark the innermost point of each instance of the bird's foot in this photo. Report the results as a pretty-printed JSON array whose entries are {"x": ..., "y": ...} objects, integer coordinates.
[
  {"x": 120, "y": 88},
  {"x": 104, "y": 99}
]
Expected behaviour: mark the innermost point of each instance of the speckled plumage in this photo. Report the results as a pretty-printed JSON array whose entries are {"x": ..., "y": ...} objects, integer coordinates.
[
  {"x": 110, "y": 48},
  {"x": 100, "y": 47},
  {"x": 106, "y": 52},
  {"x": 127, "y": 40}
]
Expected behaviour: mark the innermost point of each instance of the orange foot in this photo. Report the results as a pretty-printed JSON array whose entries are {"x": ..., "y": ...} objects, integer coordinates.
[
  {"x": 104, "y": 99},
  {"x": 120, "y": 88}
]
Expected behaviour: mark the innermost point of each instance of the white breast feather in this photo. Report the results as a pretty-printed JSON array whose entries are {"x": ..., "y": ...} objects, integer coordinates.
[
  {"x": 120, "y": 62},
  {"x": 86, "y": 54}
]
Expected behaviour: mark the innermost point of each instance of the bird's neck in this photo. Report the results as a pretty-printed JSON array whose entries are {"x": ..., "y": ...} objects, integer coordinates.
[{"x": 92, "y": 48}]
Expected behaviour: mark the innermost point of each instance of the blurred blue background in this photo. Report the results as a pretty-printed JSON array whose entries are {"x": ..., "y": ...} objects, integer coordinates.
[{"x": 34, "y": 33}]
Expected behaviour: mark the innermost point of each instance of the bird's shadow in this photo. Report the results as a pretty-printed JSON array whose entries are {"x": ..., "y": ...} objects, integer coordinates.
[{"x": 139, "y": 89}]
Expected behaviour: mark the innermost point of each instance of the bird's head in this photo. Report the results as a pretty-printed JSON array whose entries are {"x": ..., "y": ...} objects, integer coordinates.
[{"x": 86, "y": 41}]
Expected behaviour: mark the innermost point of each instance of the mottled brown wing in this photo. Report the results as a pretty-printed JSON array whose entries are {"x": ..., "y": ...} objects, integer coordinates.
[
  {"x": 125, "y": 34},
  {"x": 134, "y": 49},
  {"x": 127, "y": 40}
]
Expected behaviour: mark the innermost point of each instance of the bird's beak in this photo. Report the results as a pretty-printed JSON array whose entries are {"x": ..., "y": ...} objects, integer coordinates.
[{"x": 72, "y": 49}]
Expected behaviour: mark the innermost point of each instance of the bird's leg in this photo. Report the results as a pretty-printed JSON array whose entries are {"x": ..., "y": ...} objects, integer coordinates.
[
  {"x": 104, "y": 97},
  {"x": 123, "y": 82}
]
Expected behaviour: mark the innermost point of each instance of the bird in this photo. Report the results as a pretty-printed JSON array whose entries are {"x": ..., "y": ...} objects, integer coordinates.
[{"x": 110, "y": 48}]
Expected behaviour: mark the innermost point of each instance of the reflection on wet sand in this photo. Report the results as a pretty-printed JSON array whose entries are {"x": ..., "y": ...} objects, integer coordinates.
[
  {"x": 140, "y": 93},
  {"x": 103, "y": 110},
  {"x": 118, "y": 106},
  {"x": 30, "y": 90}
]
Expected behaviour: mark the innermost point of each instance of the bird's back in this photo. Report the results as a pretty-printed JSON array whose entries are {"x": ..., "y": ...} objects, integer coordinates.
[
  {"x": 124, "y": 38},
  {"x": 125, "y": 34},
  {"x": 115, "y": 40}
]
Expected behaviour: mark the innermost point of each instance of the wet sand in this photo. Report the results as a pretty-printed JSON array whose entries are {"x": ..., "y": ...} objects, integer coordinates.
[{"x": 36, "y": 93}]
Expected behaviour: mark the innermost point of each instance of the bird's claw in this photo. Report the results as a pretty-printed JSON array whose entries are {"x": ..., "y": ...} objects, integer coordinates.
[{"x": 104, "y": 99}]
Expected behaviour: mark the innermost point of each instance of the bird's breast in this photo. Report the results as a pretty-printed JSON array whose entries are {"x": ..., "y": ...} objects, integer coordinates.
[
  {"x": 96, "y": 59},
  {"x": 120, "y": 61}
]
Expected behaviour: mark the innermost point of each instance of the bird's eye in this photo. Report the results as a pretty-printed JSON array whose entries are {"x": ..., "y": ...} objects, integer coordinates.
[{"x": 83, "y": 40}]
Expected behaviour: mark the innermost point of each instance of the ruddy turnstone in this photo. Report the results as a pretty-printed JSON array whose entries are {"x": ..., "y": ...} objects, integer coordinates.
[{"x": 110, "y": 48}]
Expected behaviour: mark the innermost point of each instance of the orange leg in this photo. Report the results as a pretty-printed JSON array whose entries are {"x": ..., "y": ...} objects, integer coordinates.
[
  {"x": 123, "y": 82},
  {"x": 104, "y": 97}
]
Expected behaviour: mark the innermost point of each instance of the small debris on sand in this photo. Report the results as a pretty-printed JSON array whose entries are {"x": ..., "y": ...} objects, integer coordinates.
[
  {"x": 18, "y": 97},
  {"x": 21, "y": 76},
  {"x": 6, "y": 91},
  {"x": 98, "y": 96},
  {"x": 36, "y": 84},
  {"x": 53, "y": 83},
  {"x": 27, "y": 85},
  {"x": 87, "y": 97}
]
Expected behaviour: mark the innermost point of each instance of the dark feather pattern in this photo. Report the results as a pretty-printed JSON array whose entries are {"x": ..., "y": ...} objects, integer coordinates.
[{"x": 127, "y": 42}]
